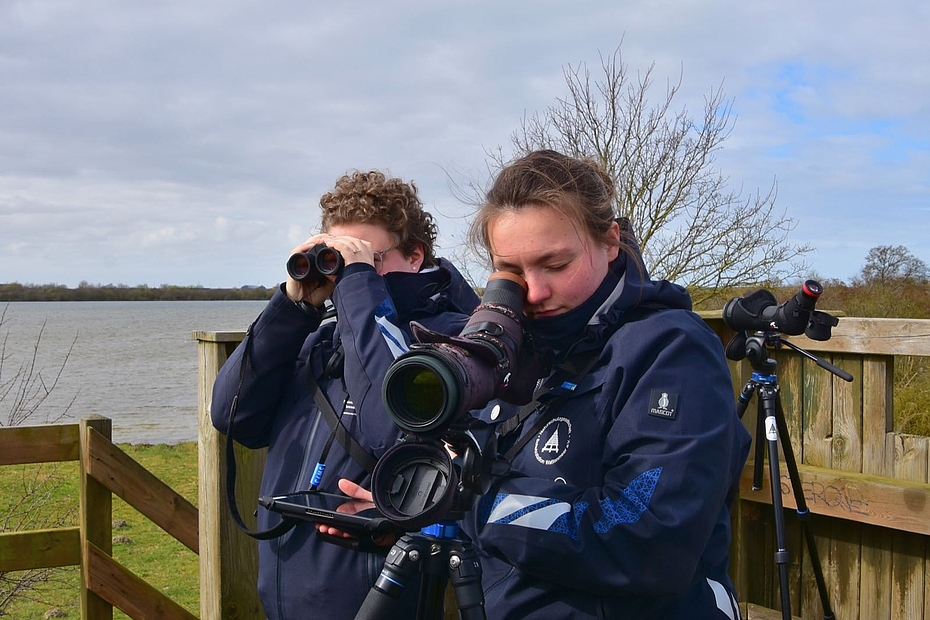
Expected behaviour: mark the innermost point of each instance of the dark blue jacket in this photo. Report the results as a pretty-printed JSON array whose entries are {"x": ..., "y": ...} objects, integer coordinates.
[
  {"x": 618, "y": 506},
  {"x": 300, "y": 575}
]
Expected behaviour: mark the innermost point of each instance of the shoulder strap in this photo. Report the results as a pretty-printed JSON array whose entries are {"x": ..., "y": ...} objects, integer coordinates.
[
  {"x": 286, "y": 524},
  {"x": 562, "y": 384},
  {"x": 354, "y": 449}
]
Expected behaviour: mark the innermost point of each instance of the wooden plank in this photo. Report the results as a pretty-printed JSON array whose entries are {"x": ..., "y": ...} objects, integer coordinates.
[
  {"x": 875, "y": 584},
  {"x": 847, "y": 416},
  {"x": 908, "y": 572},
  {"x": 121, "y": 588},
  {"x": 818, "y": 416},
  {"x": 791, "y": 370},
  {"x": 884, "y": 502},
  {"x": 877, "y": 423},
  {"x": 44, "y": 443},
  {"x": 40, "y": 549},
  {"x": 859, "y": 335},
  {"x": 877, "y": 412},
  {"x": 757, "y": 612},
  {"x": 846, "y": 536},
  {"x": 96, "y": 521},
  {"x": 219, "y": 336},
  {"x": 738, "y": 554},
  {"x": 875, "y": 337},
  {"x": 122, "y": 475},
  {"x": 228, "y": 558},
  {"x": 817, "y": 451}
]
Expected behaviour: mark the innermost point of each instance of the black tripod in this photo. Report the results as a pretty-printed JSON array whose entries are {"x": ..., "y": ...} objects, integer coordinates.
[
  {"x": 770, "y": 423},
  {"x": 440, "y": 554}
]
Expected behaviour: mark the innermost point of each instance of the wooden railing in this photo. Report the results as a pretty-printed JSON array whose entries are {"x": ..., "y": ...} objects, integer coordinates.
[
  {"x": 865, "y": 484},
  {"x": 104, "y": 470}
]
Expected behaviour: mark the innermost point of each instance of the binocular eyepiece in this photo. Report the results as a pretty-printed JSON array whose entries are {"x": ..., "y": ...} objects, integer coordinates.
[
  {"x": 316, "y": 263},
  {"x": 758, "y": 311}
]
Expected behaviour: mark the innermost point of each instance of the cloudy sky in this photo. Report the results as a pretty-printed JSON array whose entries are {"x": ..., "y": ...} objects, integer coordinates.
[{"x": 187, "y": 142}]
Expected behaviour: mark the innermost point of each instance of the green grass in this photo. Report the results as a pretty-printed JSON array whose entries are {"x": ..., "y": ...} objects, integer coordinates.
[{"x": 152, "y": 554}]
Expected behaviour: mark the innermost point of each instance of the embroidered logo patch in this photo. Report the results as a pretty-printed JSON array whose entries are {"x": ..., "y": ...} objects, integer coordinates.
[
  {"x": 663, "y": 404},
  {"x": 553, "y": 440}
]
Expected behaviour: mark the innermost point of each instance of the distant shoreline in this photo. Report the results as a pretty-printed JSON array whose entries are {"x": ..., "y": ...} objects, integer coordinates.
[{"x": 15, "y": 292}]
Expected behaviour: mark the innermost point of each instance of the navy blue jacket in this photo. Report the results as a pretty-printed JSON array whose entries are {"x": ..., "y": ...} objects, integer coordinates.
[
  {"x": 618, "y": 506},
  {"x": 300, "y": 575}
]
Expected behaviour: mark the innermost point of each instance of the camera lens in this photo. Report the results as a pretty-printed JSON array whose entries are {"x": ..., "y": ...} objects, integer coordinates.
[
  {"x": 427, "y": 385},
  {"x": 421, "y": 393}
]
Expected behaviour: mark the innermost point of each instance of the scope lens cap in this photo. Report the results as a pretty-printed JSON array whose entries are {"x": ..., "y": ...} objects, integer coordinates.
[{"x": 414, "y": 484}]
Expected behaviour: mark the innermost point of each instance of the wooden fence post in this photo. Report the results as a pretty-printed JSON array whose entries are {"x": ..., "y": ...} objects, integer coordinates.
[
  {"x": 96, "y": 521},
  {"x": 228, "y": 558}
]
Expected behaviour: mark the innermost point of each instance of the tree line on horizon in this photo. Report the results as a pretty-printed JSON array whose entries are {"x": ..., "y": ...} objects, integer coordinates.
[
  {"x": 14, "y": 291},
  {"x": 892, "y": 283}
]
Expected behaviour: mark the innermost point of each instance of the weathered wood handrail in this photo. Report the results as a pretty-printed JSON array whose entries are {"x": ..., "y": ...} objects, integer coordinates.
[{"x": 105, "y": 470}]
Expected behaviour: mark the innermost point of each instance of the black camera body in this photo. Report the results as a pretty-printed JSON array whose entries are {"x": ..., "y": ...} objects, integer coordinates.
[
  {"x": 315, "y": 264},
  {"x": 429, "y": 392}
]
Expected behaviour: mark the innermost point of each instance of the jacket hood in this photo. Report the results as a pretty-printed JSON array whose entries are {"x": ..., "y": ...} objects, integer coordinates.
[{"x": 634, "y": 290}]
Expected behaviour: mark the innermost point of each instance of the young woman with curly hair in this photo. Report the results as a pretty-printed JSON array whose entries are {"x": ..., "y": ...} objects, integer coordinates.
[{"x": 302, "y": 347}]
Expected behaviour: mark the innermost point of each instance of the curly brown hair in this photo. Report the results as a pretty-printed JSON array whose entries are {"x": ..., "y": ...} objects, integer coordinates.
[{"x": 373, "y": 198}]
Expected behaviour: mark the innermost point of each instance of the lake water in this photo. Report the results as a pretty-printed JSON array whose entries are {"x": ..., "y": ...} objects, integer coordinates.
[{"x": 133, "y": 362}]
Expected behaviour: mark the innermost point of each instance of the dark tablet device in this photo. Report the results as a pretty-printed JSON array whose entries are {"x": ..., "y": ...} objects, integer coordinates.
[{"x": 350, "y": 515}]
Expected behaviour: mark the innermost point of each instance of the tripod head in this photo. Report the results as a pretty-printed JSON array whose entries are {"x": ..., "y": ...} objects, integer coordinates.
[{"x": 760, "y": 313}]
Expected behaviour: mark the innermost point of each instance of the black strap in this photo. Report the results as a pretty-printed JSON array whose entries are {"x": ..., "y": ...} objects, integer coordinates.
[
  {"x": 556, "y": 390},
  {"x": 286, "y": 524},
  {"x": 342, "y": 434}
]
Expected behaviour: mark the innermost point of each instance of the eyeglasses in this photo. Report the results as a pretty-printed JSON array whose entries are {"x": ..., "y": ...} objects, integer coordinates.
[{"x": 379, "y": 258}]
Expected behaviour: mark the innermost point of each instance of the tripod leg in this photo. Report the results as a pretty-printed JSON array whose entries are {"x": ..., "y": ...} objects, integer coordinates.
[
  {"x": 802, "y": 510},
  {"x": 767, "y": 404},
  {"x": 465, "y": 575},
  {"x": 432, "y": 593},
  {"x": 758, "y": 458},
  {"x": 403, "y": 559}
]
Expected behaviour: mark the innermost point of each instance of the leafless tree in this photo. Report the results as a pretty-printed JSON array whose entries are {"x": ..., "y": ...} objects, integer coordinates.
[
  {"x": 692, "y": 227},
  {"x": 24, "y": 388},
  {"x": 892, "y": 283},
  {"x": 892, "y": 265}
]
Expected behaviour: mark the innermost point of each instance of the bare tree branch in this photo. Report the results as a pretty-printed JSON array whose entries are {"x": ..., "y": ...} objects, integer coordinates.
[{"x": 692, "y": 228}]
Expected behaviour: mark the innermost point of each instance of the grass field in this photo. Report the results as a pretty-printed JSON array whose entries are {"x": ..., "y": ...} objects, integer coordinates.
[{"x": 140, "y": 545}]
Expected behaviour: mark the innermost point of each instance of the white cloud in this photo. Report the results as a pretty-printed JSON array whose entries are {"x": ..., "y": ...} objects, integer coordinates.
[{"x": 189, "y": 142}]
